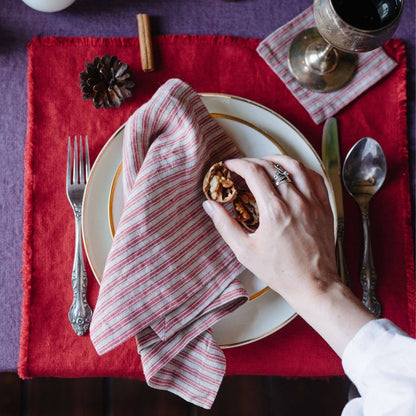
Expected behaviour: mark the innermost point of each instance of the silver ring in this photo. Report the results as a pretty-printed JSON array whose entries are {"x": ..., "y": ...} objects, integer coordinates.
[{"x": 281, "y": 176}]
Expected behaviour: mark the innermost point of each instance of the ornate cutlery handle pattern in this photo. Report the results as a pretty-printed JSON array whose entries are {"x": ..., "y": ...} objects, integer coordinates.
[
  {"x": 80, "y": 313},
  {"x": 368, "y": 275}
]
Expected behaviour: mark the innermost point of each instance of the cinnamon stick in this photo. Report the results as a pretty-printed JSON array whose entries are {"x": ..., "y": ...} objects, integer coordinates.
[{"x": 145, "y": 37}]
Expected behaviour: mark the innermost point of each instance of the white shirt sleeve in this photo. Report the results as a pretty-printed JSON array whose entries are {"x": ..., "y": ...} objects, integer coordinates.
[{"x": 381, "y": 361}]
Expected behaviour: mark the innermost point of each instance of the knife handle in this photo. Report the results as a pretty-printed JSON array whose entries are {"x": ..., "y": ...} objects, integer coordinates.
[{"x": 341, "y": 260}]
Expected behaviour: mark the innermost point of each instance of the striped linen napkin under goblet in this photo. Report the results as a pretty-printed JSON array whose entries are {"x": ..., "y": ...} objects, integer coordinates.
[
  {"x": 169, "y": 276},
  {"x": 372, "y": 67}
]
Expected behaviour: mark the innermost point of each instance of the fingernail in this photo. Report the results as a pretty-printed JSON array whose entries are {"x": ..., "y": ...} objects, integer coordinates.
[{"x": 208, "y": 207}]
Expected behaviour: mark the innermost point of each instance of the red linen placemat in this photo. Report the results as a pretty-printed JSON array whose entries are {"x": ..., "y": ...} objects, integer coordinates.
[{"x": 49, "y": 347}]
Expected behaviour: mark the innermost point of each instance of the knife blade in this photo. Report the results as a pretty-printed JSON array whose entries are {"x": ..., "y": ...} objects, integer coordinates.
[{"x": 332, "y": 161}]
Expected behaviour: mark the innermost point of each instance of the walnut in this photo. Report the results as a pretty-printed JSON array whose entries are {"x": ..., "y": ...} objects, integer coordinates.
[
  {"x": 218, "y": 185},
  {"x": 246, "y": 210}
]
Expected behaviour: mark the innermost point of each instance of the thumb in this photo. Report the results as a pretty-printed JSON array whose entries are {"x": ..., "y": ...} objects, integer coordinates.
[{"x": 227, "y": 226}]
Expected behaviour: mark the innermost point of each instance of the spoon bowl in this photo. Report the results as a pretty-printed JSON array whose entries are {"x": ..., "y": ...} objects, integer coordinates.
[
  {"x": 363, "y": 174},
  {"x": 364, "y": 169}
]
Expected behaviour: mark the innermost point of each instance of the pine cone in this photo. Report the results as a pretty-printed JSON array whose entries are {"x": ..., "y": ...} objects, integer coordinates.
[{"x": 107, "y": 82}]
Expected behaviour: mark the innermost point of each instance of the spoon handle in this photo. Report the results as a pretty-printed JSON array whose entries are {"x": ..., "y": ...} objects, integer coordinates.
[{"x": 368, "y": 272}]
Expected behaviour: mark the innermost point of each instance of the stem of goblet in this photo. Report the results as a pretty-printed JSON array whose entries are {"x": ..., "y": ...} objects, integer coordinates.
[{"x": 321, "y": 57}]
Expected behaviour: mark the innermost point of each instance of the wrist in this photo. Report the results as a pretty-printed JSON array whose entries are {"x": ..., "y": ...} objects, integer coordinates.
[
  {"x": 332, "y": 310},
  {"x": 307, "y": 288}
]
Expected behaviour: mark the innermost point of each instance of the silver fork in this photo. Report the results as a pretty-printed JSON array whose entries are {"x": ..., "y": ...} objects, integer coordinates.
[{"x": 80, "y": 312}]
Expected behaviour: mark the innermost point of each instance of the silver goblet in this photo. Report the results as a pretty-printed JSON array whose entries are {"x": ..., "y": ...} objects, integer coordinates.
[{"x": 323, "y": 58}]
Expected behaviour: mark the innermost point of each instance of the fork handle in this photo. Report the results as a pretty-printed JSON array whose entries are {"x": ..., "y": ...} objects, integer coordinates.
[{"x": 80, "y": 312}]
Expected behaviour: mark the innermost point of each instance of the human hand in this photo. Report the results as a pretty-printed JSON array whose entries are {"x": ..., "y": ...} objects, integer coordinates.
[
  {"x": 294, "y": 245},
  {"x": 293, "y": 250}
]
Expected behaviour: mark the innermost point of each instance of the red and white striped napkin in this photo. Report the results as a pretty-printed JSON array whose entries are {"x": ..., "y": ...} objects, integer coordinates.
[
  {"x": 372, "y": 66},
  {"x": 169, "y": 275}
]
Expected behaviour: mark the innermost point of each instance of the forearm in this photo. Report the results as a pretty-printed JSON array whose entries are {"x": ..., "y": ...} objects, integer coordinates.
[{"x": 332, "y": 310}]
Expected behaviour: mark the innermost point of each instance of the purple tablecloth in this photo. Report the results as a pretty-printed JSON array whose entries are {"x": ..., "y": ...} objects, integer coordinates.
[{"x": 19, "y": 24}]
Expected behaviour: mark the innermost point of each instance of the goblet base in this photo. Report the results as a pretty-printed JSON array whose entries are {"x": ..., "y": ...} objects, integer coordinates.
[{"x": 316, "y": 65}]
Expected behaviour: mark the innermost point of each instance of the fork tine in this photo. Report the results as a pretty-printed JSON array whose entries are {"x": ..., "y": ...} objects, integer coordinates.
[
  {"x": 68, "y": 164},
  {"x": 87, "y": 159},
  {"x": 75, "y": 168},
  {"x": 81, "y": 162}
]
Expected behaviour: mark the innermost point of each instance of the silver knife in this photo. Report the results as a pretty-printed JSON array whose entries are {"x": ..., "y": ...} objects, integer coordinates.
[{"x": 332, "y": 161}]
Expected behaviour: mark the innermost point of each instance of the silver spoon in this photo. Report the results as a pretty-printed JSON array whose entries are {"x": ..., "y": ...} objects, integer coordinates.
[{"x": 363, "y": 174}]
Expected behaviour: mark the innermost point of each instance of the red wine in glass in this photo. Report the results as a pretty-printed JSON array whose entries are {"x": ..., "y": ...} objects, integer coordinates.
[{"x": 367, "y": 14}]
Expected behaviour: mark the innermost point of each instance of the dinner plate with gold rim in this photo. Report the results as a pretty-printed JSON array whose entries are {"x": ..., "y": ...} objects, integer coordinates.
[{"x": 257, "y": 131}]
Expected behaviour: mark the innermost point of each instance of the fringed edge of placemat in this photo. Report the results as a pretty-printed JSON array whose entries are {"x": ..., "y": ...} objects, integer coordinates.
[
  {"x": 400, "y": 51},
  {"x": 397, "y": 49},
  {"x": 133, "y": 41},
  {"x": 23, "y": 368}
]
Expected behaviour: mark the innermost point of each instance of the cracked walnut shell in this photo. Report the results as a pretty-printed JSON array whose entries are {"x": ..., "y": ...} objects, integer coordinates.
[
  {"x": 246, "y": 210},
  {"x": 218, "y": 185}
]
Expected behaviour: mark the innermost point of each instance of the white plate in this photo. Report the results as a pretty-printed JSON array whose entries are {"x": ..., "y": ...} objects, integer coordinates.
[{"x": 269, "y": 133}]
